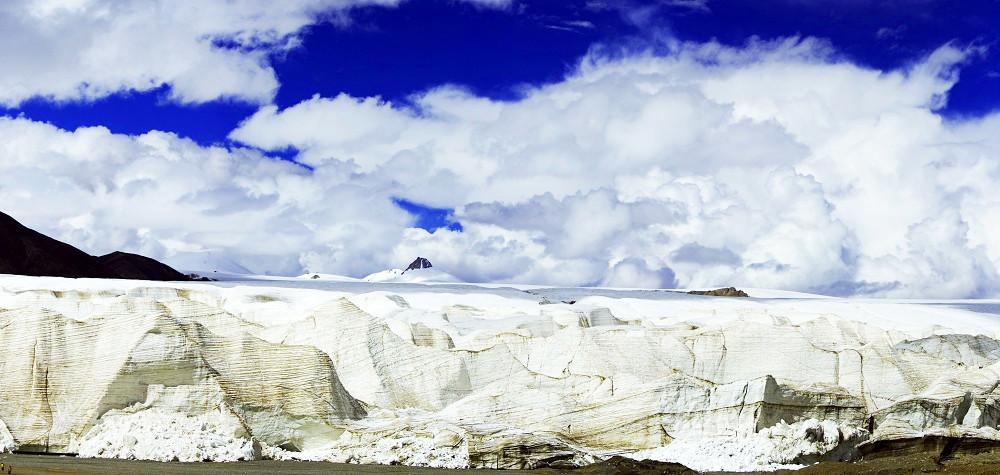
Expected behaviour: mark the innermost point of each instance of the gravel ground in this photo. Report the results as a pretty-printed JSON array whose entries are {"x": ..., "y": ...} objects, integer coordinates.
[{"x": 50, "y": 464}]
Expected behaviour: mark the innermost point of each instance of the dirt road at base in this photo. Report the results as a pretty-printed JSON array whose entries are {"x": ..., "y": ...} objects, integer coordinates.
[{"x": 51, "y": 465}]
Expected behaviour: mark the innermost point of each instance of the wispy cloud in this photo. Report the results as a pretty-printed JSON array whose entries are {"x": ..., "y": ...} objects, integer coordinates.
[
  {"x": 700, "y": 5},
  {"x": 572, "y": 25},
  {"x": 85, "y": 50},
  {"x": 891, "y": 33}
]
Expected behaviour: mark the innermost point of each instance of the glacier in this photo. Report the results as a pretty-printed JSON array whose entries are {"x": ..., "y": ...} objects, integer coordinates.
[{"x": 491, "y": 376}]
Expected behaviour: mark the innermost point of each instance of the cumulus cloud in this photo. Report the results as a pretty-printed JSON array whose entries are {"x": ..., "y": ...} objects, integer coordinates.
[
  {"x": 776, "y": 164},
  {"x": 205, "y": 50},
  {"x": 170, "y": 198}
]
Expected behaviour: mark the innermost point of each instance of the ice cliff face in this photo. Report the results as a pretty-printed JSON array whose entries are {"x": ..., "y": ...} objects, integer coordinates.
[
  {"x": 457, "y": 376},
  {"x": 73, "y": 359}
]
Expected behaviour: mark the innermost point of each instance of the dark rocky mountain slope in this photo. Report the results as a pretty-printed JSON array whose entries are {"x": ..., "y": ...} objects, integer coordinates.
[
  {"x": 27, "y": 252},
  {"x": 134, "y": 266}
]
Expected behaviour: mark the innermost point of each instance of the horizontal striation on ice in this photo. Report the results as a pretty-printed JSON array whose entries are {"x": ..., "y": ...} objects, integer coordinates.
[{"x": 457, "y": 376}]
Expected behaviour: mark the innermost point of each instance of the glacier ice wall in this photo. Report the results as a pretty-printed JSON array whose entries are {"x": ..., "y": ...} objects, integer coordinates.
[{"x": 458, "y": 376}]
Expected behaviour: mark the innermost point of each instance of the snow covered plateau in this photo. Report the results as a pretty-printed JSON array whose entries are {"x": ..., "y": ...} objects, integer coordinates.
[{"x": 463, "y": 375}]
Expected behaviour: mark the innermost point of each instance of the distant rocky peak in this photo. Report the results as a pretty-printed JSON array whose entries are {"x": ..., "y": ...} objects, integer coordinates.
[{"x": 419, "y": 263}]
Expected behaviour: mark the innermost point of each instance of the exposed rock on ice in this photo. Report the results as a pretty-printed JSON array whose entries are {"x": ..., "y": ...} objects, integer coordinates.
[
  {"x": 724, "y": 292},
  {"x": 332, "y": 277},
  {"x": 452, "y": 375}
]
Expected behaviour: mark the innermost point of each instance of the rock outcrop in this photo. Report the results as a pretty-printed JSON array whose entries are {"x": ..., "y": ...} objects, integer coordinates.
[
  {"x": 723, "y": 292},
  {"x": 459, "y": 376}
]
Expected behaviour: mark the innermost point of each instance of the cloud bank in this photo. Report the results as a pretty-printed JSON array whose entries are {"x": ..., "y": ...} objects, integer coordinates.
[
  {"x": 202, "y": 50},
  {"x": 776, "y": 164}
]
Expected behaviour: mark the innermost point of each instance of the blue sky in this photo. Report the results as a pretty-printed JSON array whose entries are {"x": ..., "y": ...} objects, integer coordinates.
[
  {"x": 393, "y": 53},
  {"x": 657, "y": 143}
]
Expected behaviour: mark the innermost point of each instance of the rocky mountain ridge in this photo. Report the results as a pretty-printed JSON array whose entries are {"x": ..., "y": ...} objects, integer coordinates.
[{"x": 24, "y": 251}]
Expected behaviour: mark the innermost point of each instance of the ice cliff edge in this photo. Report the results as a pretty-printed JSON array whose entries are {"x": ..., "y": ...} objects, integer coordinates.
[{"x": 470, "y": 376}]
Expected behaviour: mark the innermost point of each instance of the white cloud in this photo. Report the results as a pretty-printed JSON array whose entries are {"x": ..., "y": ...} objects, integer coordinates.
[
  {"x": 204, "y": 50},
  {"x": 171, "y": 198},
  {"x": 772, "y": 165},
  {"x": 805, "y": 171}
]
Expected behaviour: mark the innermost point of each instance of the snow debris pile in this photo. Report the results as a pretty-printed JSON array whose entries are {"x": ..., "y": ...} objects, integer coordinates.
[
  {"x": 435, "y": 445},
  {"x": 152, "y": 431},
  {"x": 155, "y": 434},
  {"x": 7, "y": 442},
  {"x": 783, "y": 446}
]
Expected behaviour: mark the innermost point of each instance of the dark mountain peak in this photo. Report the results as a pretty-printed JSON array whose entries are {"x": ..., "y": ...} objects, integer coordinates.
[
  {"x": 419, "y": 263},
  {"x": 24, "y": 251}
]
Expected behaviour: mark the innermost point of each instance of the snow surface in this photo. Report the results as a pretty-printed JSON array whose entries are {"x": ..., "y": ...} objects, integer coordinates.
[
  {"x": 329, "y": 277},
  {"x": 506, "y": 308},
  {"x": 501, "y": 307},
  {"x": 429, "y": 275}
]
